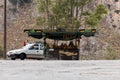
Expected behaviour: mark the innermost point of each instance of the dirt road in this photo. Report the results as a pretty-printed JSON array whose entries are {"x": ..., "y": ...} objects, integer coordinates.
[{"x": 59, "y": 70}]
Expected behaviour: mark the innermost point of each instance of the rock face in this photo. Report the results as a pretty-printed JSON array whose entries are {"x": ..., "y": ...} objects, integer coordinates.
[
  {"x": 113, "y": 17},
  {"x": 109, "y": 30}
]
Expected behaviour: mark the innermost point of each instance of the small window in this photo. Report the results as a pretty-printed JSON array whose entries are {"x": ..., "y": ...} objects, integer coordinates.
[
  {"x": 42, "y": 47},
  {"x": 34, "y": 47}
]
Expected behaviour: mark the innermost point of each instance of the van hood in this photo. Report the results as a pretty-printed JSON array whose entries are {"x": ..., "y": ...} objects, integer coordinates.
[{"x": 16, "y": 51}]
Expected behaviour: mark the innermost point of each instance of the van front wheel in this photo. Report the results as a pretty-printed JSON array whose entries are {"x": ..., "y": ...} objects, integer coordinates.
[
  {"x": 13, "y": 57},
  {"x": 22, "y": 56}
]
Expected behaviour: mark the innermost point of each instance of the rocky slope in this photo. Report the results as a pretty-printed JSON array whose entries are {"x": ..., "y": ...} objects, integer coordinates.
[
  {"x": 108, "y": 36},
  {"x": 108, "y": 39},
  {"x": 113, "y": 17}
]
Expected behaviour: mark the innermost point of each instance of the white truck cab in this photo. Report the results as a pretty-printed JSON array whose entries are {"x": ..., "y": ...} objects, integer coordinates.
[{"x": 31, "y": 50}]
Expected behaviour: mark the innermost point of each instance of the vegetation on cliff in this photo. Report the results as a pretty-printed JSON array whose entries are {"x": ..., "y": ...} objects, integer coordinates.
[{"x": 68, "y": 14}]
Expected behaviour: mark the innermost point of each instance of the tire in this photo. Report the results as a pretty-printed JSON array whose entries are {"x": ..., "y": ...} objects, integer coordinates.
[
  {"x": 13, "y": 57},
  {"x": 40, "y": 59},
  {"x": 22, "y": 56}
]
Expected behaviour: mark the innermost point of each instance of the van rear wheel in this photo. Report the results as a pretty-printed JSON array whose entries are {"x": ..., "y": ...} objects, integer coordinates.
[{"x": 22, "y": 56}]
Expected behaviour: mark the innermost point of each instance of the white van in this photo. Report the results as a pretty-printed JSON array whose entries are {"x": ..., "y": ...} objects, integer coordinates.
[{"x": 31, "y": 50}]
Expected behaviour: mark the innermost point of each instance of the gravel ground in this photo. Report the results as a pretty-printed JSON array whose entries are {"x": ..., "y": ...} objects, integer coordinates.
[{"x": 59, "y": 70}]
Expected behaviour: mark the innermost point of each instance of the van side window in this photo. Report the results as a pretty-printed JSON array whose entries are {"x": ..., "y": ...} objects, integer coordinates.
[
  {"x": 34, "y": 47},
  {"x": 41, "y": 46}
]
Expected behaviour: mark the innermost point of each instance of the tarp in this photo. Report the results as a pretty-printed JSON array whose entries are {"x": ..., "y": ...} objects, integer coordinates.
[{"x": 61, "y": 35}]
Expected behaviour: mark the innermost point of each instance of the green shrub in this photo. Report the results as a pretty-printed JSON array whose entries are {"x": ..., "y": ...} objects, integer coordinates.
[
  {"x": 13, "y": 2},
  {"x": 1, "y": 51},
  {"x": 13, "y": 9},
  {"x": 1, "y": 6},
  {"x": 20, "y": 2},
  {"x": 110, "y": 54}
]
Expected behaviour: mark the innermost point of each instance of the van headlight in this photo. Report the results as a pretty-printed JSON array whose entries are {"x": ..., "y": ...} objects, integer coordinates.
[{"x": 9, "y": 53}]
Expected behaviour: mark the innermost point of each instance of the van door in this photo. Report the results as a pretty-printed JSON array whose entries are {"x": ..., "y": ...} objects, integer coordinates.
[
  {"x": 34, "y": 51},
  {"x": 41, "y": 48}
]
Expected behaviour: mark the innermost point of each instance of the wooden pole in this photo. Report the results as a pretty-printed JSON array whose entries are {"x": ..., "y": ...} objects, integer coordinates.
[{"x": 5, "y": 20}]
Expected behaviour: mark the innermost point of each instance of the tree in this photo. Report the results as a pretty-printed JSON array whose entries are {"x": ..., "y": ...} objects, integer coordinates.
[
  {"x": 67, "y": 14},
  {"x": 95, "y": 17}
]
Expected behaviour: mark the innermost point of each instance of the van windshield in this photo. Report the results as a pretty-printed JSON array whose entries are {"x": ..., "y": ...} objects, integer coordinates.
[{"x": 27, "y": 46}]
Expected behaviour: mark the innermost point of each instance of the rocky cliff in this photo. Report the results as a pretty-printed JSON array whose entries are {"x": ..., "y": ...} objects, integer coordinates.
[
  {"x": 112, "y": 19},
  {"x": 106, "y": 40}
]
